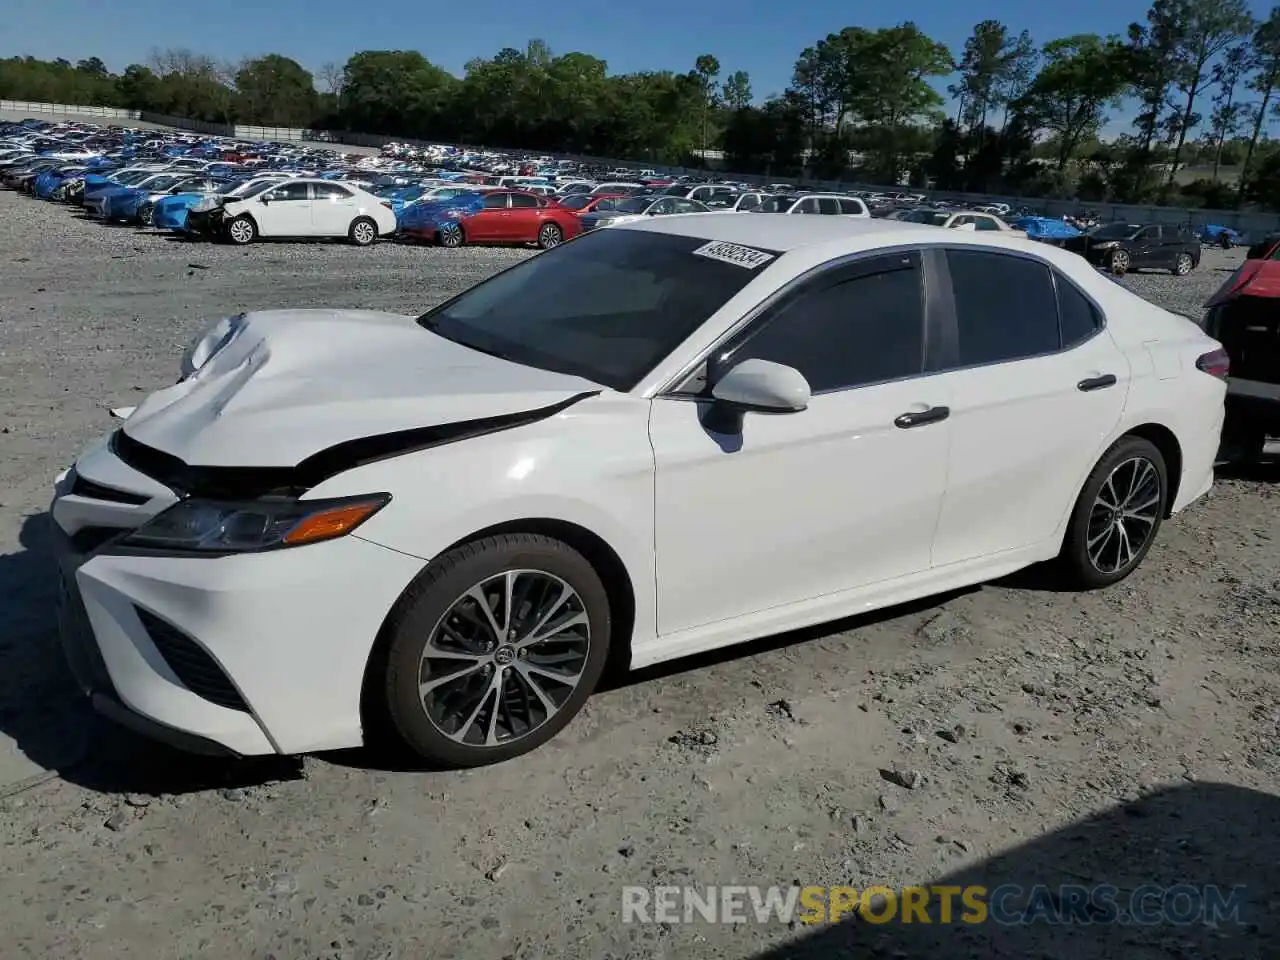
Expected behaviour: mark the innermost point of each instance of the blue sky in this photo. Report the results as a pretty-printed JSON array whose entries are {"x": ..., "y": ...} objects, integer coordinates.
[{"x": 762, "y": 37}]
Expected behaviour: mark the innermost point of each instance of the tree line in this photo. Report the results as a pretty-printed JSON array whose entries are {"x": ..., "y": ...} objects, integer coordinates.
[{"x": 1020, "y": 117}]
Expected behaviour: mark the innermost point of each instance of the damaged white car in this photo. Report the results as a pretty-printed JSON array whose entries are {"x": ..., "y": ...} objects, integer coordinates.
[{"x": 652, "y": 441}]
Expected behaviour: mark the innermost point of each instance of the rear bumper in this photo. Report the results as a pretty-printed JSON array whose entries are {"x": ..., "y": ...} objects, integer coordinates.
[{"x": 1253, "y": 405}]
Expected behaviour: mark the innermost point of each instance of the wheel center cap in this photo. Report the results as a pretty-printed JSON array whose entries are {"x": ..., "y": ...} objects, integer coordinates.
[{"x": 504, "y": 656}]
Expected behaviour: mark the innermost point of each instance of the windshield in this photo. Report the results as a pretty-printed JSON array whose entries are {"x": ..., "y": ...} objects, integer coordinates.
[
  {"x": 1114, "y": 231},
  {"x": 933, "y": 217},
  {"x": 634, "y": 205},
  {"x": 607, "y": 307},
  {"x": 775, "y": 205},
  {"x": 247, "y": 190},
  {"x": 164, "y": 183}
]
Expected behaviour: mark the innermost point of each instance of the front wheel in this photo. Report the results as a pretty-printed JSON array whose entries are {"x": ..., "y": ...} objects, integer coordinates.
[
  {"x": 363, "y": 232},
  {"x": 495, "y": 648},
  {"x": 1182, "y": 265},
  {"x": 451, "y": 234},
  {"x": 1117, "y": 515},
  {"x": 1120, "y": 262},
  {"x": 242, "y": 230},
  {"x": 146, "y": 215},
  {"x": 550, "y": 235}
]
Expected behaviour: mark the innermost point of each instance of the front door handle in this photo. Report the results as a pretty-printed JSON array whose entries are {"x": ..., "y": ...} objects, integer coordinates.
[
  {"x": 934, "y": 414},
  {"x": 1097, "y": 383}
]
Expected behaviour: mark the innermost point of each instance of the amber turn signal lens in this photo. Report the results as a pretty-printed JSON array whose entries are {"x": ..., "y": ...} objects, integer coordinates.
[{"x": 334, "y": 522}]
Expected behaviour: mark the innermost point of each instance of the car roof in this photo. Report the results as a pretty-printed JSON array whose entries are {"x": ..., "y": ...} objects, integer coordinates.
[{"x": 790, "y": 233}]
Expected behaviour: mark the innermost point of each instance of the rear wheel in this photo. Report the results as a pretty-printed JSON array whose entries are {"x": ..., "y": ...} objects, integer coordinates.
[
  {"x": 1183, "y": 264},
  {"x": 1117, "y": 514},
  {"x": 451, "y": 234},
  {"x": 550, "y": 235},
  {"x": 242, "y": 230},
  {"x": 495, "y": 648},
  {"x": 363, "y": 232}
]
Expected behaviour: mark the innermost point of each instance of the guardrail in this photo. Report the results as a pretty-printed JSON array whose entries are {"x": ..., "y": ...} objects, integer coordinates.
[{"x": 1248, "y": 222}]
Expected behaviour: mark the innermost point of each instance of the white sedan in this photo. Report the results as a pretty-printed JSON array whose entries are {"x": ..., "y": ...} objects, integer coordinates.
[
  {"x": 656, "y": 440},
  {"x": 309, "y": 208}
]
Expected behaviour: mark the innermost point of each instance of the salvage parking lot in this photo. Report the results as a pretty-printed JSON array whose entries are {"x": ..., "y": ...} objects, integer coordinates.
[{"x": 1007, "y": 734}]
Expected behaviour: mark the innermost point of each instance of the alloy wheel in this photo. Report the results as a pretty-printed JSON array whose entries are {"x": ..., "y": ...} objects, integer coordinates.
[
  {"x": 146, "y": 215},
  {"x": 1183, "y": 265},
  {"x": 549, "y": 236},
  {"x": 1120, "y": 261},
  {"x": 504, "y": 658},
  {"x": 241, "y": 231},
  {"x": 1124, "y": 515},
  {"x": 451, "y": 235},
  {"x": 363, "y": 233}
]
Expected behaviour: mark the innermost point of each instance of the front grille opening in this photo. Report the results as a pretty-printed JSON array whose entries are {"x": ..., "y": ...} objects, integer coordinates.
[
  {"x": 96, "y": 491},
  {"x": 191, "y": 664}
]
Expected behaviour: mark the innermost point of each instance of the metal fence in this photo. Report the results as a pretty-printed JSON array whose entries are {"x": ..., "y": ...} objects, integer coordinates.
[{"x": 1249, "y": 222}]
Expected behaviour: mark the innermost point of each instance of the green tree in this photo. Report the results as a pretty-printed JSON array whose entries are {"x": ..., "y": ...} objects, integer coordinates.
[
  {"x": 1208, "y": 28},
  {"x": 275, "y": 91},
  {"x": 1081, "y": 76},
  {"x": 707, "y": 69},
  {"x": 1265, "y": 46},
  {"x": 396, "y": 92},
  {"x": 1227, "y": 110},
  {"x": 736, "y": 92}
]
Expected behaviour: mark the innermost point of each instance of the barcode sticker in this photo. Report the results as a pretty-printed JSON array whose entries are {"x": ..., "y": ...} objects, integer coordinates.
[{"x": 736, "y": 254}]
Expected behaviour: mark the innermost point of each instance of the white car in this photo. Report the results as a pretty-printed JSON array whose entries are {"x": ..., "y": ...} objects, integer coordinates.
[
  {"x": 960, "y": 220},
  {"x": 828, "y": 204},
  {"x": 656, "y": 440},
  {"x": 309, "y": 208}
]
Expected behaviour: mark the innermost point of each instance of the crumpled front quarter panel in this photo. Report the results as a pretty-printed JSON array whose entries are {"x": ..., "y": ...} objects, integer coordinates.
[{"x": 590, "y": 465}]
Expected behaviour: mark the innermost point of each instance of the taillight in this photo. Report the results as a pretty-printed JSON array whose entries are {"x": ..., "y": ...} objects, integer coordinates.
[{"x": 1216, "y": 363}]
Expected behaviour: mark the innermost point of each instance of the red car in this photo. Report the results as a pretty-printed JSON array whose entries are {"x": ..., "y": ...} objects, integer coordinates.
[
  {"x": 496, "y": 216},
  {"x": 581, "y": 203}
]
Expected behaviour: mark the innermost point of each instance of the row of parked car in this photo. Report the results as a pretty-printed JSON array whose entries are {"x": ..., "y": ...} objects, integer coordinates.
[{"x": 239, "y": 191}]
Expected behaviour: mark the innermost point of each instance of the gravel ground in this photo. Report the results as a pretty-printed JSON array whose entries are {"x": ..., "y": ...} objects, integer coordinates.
[{"x": 1004, "y": 734}]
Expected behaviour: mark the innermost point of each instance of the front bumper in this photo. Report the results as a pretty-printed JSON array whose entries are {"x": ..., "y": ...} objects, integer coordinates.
[{"x": 248, "y": 654}]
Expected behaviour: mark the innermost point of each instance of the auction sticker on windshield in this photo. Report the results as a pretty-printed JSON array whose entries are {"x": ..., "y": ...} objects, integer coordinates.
[{"x": 734, "y": 253}]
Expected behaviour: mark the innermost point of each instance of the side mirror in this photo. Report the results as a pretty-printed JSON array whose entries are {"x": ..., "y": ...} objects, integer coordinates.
[{"x": 763, "y": 386}]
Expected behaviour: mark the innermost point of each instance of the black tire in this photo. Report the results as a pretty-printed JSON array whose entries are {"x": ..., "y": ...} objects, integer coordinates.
[
  {"x": 363, "y": 231},
  {"x": 550, "y": 235},
  {"x": 423, "y": 609},
  {"x": 451, "y": 235},
  {"x": 1080, "y": 570},
  {"x": 1183, "y": 264},
  {"x": 241, "y": 230}
]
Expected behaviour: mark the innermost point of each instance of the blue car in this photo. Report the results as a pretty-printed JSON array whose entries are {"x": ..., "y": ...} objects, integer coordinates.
[
  {"x": 51, "y": 184},
  {"x": 1221, "y": 236},
  {"x": 1045, "y": 229},
  {"x": 136, "y": 204},
  {"x": 428, "y": 220}
]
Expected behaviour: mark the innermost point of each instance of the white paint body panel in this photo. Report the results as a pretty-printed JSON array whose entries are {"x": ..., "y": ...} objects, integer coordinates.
[{"x": 816, "y": 514}]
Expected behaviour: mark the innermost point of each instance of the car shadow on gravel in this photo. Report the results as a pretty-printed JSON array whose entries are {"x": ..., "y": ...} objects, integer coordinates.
[
  {"x": 1192, "y": 837},
  {"x": 43, "y": 712}
]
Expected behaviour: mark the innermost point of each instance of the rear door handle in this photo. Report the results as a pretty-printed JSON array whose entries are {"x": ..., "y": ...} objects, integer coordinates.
[
  {"x": 934, "y": 414},
  {"x": 1097, "y": 383}
]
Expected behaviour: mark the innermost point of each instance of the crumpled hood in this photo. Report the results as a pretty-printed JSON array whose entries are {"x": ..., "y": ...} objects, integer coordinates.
[{"x": 288, "y": 384}]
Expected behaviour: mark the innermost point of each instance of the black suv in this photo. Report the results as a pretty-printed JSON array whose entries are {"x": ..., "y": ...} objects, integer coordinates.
[{"x": 1121, "y": 247}]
